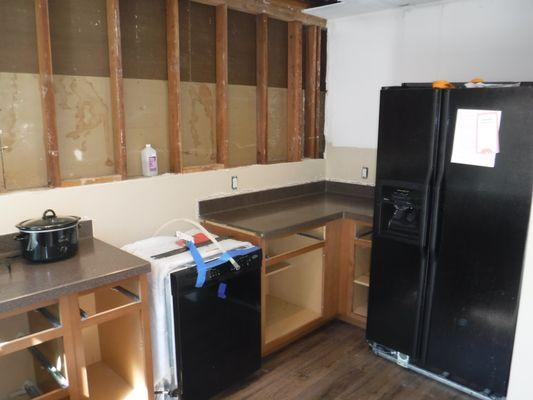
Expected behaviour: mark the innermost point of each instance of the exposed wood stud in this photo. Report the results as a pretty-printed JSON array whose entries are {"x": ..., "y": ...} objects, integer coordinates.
[
  {"x": 173, "y": 68},
  {"x": 318, "y": 108},
  {"x": 311, "y": 88},
  {"x": 262, "y": 89},
  {"x": 47, "y": 92},
  {"x": 117, "y": 93},
  {"x": 294, "y": 95},
  {"x": 222, "y": 84}
]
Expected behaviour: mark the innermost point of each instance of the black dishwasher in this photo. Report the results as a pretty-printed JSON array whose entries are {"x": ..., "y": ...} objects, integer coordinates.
[{"x": 217, "y": 326}]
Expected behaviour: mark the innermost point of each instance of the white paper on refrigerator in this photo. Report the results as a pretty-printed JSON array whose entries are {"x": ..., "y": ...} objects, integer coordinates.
[{"x": 476, "y": 139}]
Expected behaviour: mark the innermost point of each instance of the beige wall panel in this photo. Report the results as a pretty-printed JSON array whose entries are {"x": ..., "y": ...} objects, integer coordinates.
[
  {"x": 146, "y": 118},
  {"x": 84, "y": 128},
  {"x": 198, "y": 129},
  {"x": 277, "y": 124},
  {"x": 21, "y": 131},
  {"x": 242, "y": 125},
  {"x": 344, "y": 164}
]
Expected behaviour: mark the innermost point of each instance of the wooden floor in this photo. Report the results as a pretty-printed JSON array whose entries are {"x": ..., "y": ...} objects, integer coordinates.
[{"x": 336, "y": 363}]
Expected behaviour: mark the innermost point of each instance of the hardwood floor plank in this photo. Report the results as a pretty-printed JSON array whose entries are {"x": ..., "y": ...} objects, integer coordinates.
[{"x": 335, "y": 363}]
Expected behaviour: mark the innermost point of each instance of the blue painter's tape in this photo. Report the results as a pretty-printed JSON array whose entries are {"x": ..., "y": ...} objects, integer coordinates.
[
  {"x": 222, "y": 290},
  {"x": 202, "y": 267}
]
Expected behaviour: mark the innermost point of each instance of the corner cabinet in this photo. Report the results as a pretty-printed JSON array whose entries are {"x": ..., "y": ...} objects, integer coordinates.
[{"x": 90, "y": 345}]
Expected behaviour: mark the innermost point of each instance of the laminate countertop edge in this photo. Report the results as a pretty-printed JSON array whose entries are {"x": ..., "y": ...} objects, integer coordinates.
[{"x": 96, "y": 264}]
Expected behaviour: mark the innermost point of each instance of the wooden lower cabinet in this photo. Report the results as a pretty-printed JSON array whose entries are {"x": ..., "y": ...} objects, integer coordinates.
[
  {"x": 299, "y": 281},
  {"x": 91, "y": 345}
]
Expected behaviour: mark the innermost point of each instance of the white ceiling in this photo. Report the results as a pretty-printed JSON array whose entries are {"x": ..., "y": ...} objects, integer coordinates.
[{"x": 352, "y": 7}]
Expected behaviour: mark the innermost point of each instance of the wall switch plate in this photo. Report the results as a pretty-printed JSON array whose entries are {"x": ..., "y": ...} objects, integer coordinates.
[
  {"x": 364, "y": 172},
  {"x": 234, "y": 183}
]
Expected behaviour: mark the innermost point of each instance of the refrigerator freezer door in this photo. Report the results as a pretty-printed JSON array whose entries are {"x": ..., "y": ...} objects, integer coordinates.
[
  {"x": 480, "y": 239},
  {"x": 408, "y": 129}
]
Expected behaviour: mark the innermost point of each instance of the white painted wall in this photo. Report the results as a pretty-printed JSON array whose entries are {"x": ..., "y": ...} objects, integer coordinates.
[
  {"x": 454, "y": 41},
  {"x": 126, "y": 211}
]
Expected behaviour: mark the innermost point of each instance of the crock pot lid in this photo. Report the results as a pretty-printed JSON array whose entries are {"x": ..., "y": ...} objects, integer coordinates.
[{"x": 48, "y": 221}]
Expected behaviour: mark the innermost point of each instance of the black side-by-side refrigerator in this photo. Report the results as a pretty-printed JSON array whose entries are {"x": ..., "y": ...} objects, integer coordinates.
[{"x": 449, "y": 237}]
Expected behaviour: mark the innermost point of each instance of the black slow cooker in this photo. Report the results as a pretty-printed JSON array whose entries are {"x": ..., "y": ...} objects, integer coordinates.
[{"x": 49, "y": 238}]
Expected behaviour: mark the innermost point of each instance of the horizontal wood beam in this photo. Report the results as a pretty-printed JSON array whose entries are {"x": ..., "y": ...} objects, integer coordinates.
[
  {"x": 201, "y": 168},
  {"x": 48, "y": 103},
  {"x": 275, "y": 9},
  {"x": 173, "y": 71},
  {"x": 30, "y": 340},
  {"x": 294, "y": 253},
  {"x": 89, "y": 181},
  {"x": 111, "y": 314}
]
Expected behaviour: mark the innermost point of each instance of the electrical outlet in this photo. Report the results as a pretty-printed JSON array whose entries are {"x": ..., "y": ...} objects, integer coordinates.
[
  {"x": 234, "y": 183},
  {"x": 364, "y": 172}
]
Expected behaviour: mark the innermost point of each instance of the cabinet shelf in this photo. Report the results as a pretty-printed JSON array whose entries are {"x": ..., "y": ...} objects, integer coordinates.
[
  {"x": 106, "y": 384},
  {"x": 283, "y": 318}
]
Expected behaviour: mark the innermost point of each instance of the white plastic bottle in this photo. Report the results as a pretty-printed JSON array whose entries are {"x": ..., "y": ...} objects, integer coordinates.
[{"x": 149, "y": 161}]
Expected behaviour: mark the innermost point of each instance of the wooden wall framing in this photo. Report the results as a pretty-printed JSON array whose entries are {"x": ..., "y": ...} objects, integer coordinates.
[
  {"x": 174, "y": 106},
  {"x": 294, "y": 95},
  {"x": 117, "y": 92},
  {"x": 48, "y": 102},
  {"x": 262, "y": 88},
  {"x": 290, "y": 12},
  {"x": 312, "y": 91},
  {"x": 222, "y": 84}
]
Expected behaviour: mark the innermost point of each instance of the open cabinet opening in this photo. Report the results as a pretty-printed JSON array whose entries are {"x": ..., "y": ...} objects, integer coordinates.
[
  {"x": 34, "y": 371},
  {"x": 114, "y": 359},
  {"x": 293, "y": 294}
]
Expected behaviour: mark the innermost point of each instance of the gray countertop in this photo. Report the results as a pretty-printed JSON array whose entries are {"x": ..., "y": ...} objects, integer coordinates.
[
  {"x": 277, "y": 218},
  {"x": 96, "y": 263}
]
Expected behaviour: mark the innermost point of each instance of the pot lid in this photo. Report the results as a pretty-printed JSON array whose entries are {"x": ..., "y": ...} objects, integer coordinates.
[{"x": 48, "y": 221}]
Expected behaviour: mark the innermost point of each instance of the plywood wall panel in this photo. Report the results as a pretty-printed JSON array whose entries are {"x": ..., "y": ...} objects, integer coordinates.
[
  {"x": 21, "y": 131},
  {"x": 242, "y": 125},
  {"x": 18, "y": 46},
  {"x": 143, "y": 34},
  {"x": 241, "y": 48},
  {"x": 78, "y": 33},
  {"x": 277, "y": 124},
  {"x": 277, "y": 53},
  {"x": 84, "y": 126},
  {"x": 145, "y": 107},
  {"x": 198, "y": 134}
]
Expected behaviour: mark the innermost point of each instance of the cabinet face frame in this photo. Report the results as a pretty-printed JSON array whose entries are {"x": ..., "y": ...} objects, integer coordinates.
[{"x": 70, "y": 332}]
